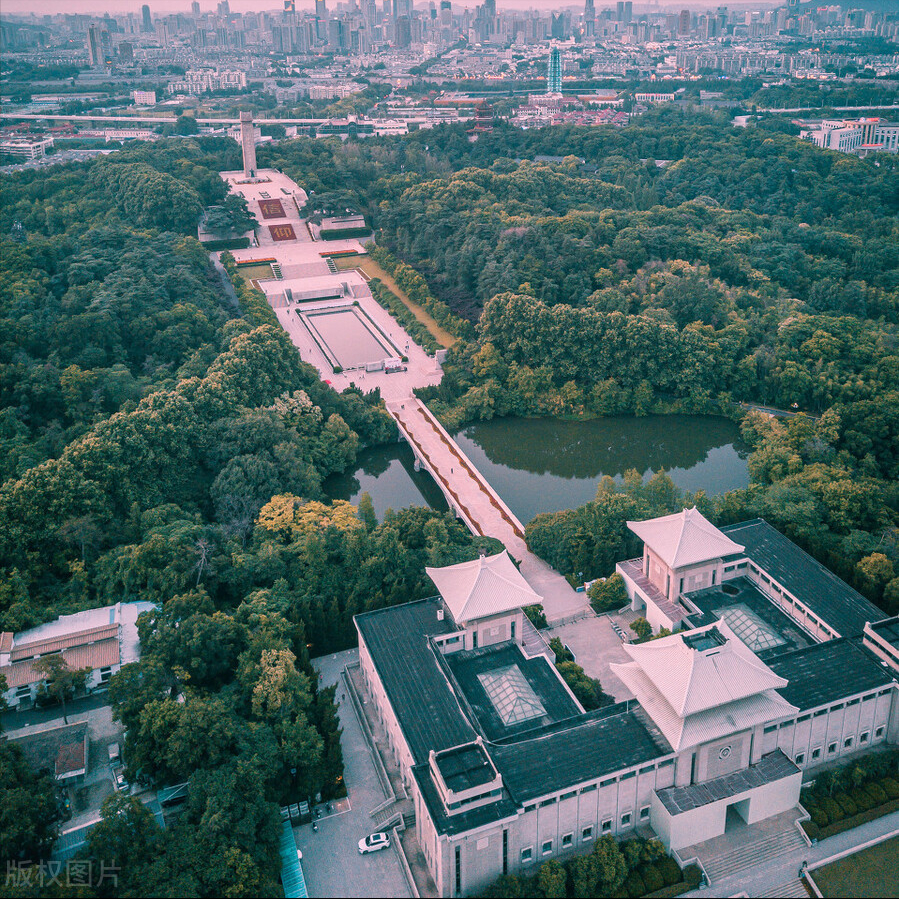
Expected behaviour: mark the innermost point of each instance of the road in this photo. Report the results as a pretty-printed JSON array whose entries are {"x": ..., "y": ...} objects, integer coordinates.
[{"x": 331, "y": 861}]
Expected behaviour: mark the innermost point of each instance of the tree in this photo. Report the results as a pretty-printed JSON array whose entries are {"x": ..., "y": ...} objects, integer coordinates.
[
  {"x": 367, "y": 512},
  {"x": 28, "y": 817},
  {"x": 60, "y": 681},
  {"x": 129, "y": 837},
  {"x": 186, "y": 124},
  {"x": 609, "y": 594},
  {"x": 642, "y": 628},
  {"x": 552, "y": 879}
]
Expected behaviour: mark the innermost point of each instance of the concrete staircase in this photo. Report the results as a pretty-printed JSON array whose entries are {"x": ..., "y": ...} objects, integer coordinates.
[
  {"x": 751, "y": 854},
  {"x": 793, "y": 889},
  {"x": 332, "y": 266},
  {"x": 276, "y": 270}
]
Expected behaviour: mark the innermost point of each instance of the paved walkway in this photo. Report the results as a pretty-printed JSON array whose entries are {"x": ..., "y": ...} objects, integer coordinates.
[
  {"x": 777, "y": 875},
  {"x": 467, "y": 490},
  {"x": 331, "y": 861}
]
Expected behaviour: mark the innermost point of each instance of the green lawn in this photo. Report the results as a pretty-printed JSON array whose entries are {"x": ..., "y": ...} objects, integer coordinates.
[
  {"x": 261, "y": 272},
  {"x": 869, "y": 874}
]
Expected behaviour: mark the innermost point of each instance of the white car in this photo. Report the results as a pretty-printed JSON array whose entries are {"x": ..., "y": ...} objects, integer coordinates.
[{"x": 373, "y": 843}]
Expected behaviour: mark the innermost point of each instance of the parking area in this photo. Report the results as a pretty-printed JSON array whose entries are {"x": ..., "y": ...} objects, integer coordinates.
[{"x": 331, "y": 861}]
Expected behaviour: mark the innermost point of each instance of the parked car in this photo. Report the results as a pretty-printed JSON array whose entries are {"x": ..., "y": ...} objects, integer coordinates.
[
  {"x": 373, "y": 842},
  {"x": 118, "y": 779}
]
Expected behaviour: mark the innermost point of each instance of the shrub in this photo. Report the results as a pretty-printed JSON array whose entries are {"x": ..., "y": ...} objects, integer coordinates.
[
  {"x": 670, "y": 870},
  {"x": 877, "y": 793},
  {"x": 608, "y": 595},
  {"x": 651, "y": 878},
  {"x": 812, "y": 830},
  {"x": 832, "y": 809},
  {"x": 844, "y": 800},
  {"x": 890, "y": 787},
  {"x": 634, "y": 885},
  {"x": 536, "y": 616},
  {"x": 692, "y": 875},
  {"x": 819, "y": 816},
  {"x": 863, "y": 799}
]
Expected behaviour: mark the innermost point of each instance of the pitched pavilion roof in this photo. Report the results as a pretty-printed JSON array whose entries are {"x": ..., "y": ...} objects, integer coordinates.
[
  {"x": 685, "y": 538},
  {"x": 694, "y": 680},
  {"x": 487, "y": 586},
  {"x": 695, "y": 695}
]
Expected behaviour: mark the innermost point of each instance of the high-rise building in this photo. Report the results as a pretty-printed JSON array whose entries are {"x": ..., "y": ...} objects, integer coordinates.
[
  {"x": 95, "y": 46},
  {"x": 554, "y": 72},
  {"x": 224, "y": 8},
  {"x": 195, "y": 8},
  {"x": 248, "y": 144},
  {"x": 146, "y": 20},
  {"x": 683, "y": 22},
  {"x": 624, "y": 11},
  {"x": 403, "y": 32},
  {"x": 126, "y": 53},
  {"x": 589, "y": 18}
]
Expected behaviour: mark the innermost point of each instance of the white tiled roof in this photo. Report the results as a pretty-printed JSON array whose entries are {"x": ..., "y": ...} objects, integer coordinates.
[
  {"x": 693, "y": 680},
  {"x": 487, "y": 586},
  {"x": 727, "y": 718},
  {"x": 685, "y": 538}
]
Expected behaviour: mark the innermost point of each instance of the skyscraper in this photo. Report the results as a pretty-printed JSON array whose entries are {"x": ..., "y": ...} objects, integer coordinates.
[
  {"x": 195, "y": 8},
  {"x": 683, "y": 22},
  {"x": 146, "y": 21},
  {"x": 248, "y": 144},
  {"x": 95, "y": 46},
  {"x": 554, "y": 72},
  {"x": 589, "y": 18}
]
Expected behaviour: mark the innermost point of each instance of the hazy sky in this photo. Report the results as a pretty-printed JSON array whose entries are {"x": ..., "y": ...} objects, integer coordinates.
[{"x": 115, "y": 7}]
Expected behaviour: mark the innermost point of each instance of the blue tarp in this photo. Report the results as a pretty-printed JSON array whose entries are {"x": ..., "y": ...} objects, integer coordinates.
[{"x": 292, "y": 878}]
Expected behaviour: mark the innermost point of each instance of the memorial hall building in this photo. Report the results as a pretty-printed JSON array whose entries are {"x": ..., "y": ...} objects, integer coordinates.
[{"x": 775, "y": 666}]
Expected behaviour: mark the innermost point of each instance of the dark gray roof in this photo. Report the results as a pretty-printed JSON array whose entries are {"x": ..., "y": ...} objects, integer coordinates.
[
  {"x": 463, "y": 821},
  {"x": 587, "y": 750},
  {"x": 540, "y": 677},
  {"x": 741, "y": 591},
  {"x": 465, "y": 767},
  {"x": 831, "y": 599},
  {"x": 888, "y": 630},
  {"x": 424, "y": 704},
  {"x": 828, "y": 672},
  {"x": 770, "y": 768}
]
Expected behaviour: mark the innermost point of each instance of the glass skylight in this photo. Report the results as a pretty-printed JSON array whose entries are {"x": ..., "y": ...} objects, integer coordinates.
[
  {"x": 511, "y": 695},
  {"x": 757, "y": 635}
]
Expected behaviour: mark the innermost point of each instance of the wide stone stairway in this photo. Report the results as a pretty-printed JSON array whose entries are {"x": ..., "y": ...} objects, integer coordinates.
[{"x": 743, "y": 847}]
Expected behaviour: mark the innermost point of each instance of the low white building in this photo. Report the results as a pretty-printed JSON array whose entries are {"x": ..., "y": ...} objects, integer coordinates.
[
  {"x": 99, "y": 639},
  {"x": 766, "y": 678}
]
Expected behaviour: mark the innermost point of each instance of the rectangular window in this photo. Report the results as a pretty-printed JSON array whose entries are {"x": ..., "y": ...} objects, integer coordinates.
[
  {"x": 570, "y": 795},
  {"x": 548, "y": 802},
  {"x": 863, "y": 737},
  {"x": 800, "y": 758},
  {"x": 458, "y": 870},
  {"x": 847, "y": 743},
  {"x": 644, "y": 813},
  {"x": 567, "y": 840},
  {"x": 770, "y": 728},
  {"x": 628, "y": 774},
  {"x": 607, "y": 826},
  {"x": 816, "y": 754},
  {"x": 878, "y": 732},
  {"x": 589, "y": 788},
  {"x": 513, "y": 630},
  {"x": 547, "y": 847},
  {"x": 831, "y": 748},
  {"x": 852, "y": 702},
  {"x": 820, "y": 712},
  {"x": 803, "y": 718},
  {"x": 527, "y": 855},
  {"x": 23, "y": 691},
  {"x": 626, "y": 819},
  {"x": 587, "y": 833},
  {"x": 837, "y": 707}
]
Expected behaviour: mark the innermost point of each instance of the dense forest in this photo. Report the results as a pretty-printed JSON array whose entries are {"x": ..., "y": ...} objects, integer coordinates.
[{"x": 159, "y": 442}]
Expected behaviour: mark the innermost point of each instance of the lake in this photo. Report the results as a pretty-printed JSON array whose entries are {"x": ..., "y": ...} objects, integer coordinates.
[{"x": 543, "y": 465}]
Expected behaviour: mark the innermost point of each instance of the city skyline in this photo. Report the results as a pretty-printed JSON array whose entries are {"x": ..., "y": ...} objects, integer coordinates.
[{"x": 172, "y": 7}]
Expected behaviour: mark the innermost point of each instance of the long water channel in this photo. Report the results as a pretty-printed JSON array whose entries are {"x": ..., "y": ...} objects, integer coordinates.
[{"x": 544, "y": 465}]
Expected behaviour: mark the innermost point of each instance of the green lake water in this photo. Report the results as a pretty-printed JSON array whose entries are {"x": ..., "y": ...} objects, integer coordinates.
[{"x": 543, "y": 465}]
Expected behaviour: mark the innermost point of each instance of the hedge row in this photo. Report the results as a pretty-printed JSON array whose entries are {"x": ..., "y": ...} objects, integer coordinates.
[
  {"x": 235, "y": 243},
  {"x": 253, "y": 303},
  {"x": 691, "y": 879},
  {"x": 816, "y": 832},
  {"x": 416, "y": 288},
  {"x": 404, "y": 315},
  {"x": 344, "y": 233}
]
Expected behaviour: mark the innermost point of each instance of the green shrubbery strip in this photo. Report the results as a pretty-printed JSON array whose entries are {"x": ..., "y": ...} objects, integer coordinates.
[
  {"x": 253, "y": 302},
  {"x": 404, "y": 315}
]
